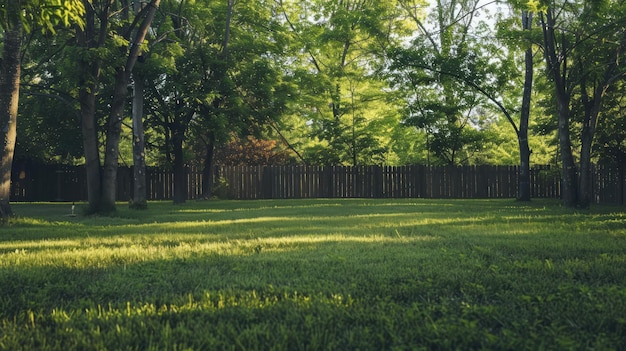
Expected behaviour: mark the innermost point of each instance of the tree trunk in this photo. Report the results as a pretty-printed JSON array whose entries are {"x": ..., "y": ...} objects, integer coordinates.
[
  {"x": 592, "y": 106},
  {"x": 9, "y": 98},
  {"x": 554, "y": 63},
  {"x": 87, "y": 97},
  {"x": 114, "y": 123},
  {"x": 180, "y": 183},
  {"x": 585, "y": 186},
  {"x": 524, "y": 167},
  {"x": 113, "y": 136},
  {"x": 522, "y": 135},
  {"x": 569, "y": 176},
  {"x": 88, "y": 38},
  {"x": 207, "y": 170},
  {"x": 139, "y": 158}
]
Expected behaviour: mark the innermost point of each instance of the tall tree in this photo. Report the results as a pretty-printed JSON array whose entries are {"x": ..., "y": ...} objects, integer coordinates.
[
  {"x": 16, "y": 16},
  {"x": 473, "y": 62},
  {"x": 105, "y": 33},
  {"x": 523, "y": 193},
  {"x": 139, "y": 157},
  {"x": 9, "y": 95},
  {"x": 139, "y": 200},
  {"x": 583, "y": 48},
  {"x": 195, "y": 35}
]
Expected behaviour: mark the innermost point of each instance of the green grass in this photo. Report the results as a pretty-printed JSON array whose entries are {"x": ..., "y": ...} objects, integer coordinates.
[{"x": 315, "y": 275}]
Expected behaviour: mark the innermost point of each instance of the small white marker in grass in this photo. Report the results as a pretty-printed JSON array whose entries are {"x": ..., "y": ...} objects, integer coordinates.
[{"x": 72, "y": 214}]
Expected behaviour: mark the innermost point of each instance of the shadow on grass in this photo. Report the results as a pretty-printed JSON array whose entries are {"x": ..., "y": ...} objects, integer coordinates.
[
  {"x": 317, "y": 275},
  {"x": 325, "y": 294},
  {"x": 241, "y": 219}
]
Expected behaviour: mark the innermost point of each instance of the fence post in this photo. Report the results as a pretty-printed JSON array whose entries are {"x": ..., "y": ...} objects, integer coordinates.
[
  {"x": 619, "y": 183},
  {"x": 328, "y": 180},
  {"x": 378, "y": 181},
  {"x": 267, "y": 182}
]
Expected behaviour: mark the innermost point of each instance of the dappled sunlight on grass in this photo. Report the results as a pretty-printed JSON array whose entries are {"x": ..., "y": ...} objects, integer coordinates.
[
  {"x": 306, "y": 274},
  {"x": 108, "y": 251}
]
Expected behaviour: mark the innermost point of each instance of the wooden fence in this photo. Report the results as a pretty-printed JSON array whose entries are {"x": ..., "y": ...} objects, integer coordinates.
[{"x": 65, "y": 183}]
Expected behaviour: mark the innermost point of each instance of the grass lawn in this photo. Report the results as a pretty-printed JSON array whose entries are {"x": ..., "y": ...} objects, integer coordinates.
[{"x": 315, "y": 275}]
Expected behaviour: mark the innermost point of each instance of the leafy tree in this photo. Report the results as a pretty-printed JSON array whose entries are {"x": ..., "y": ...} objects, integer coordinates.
[
  {"x": 338, "y": 48},
  {"x": 583, "y": 46},
  {"x": 47, "y": 129},
  {"x": 441, "y": 75},
  {"x": 522, "y": 131},
  {"x": 109, "y": 41},
  {"x": 16, "y": 16},
  {"x": 218, "y": 77},
  {"x": 469, "y": 68}
]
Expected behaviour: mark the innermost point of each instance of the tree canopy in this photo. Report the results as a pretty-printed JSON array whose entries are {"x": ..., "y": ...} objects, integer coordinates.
[{"x": 328, "y": 82}]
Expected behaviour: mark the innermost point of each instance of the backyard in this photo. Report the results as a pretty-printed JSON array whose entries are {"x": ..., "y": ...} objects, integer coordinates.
[{"x": 324, "y": 274}]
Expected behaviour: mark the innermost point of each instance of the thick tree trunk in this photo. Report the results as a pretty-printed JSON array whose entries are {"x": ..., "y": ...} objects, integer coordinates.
[
  {"x": 87, "y": 99},
  {"x": 522, "y": 135},
  {"x": 593, "y": 105},
  {"x": 113, "y": 136},
  {"x": 89, "y": 37},
  {"x": 569, "y": 174},
  {"x": 180, "y": 179},
  {"x": 9, "y": 98},
  {"x": 139, "y": 158}
]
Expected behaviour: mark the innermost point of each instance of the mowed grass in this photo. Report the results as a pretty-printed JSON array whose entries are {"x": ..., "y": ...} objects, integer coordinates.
[{"x": 315, "y": 275}]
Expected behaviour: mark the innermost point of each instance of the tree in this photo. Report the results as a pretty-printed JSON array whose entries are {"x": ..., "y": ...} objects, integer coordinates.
[
  {"x": 139, "y": 200},
  {"x": 522, "y": 132},
  {"x": 442, "y": 74},
  {"x": 16, "y": 16},
  {"x": 192, "y": 35},
  {"x": 338, "y": 49},
  {"x": 250, "y": 88},
  {"x": 139, "y": 156},
  {"x": 610, "y": 141},
  {"x": 225, "y": 53},
  {"x": 95, "y": 42},
  {"x": 462, "y": 62},
  {"x": 583, "y": 46}
]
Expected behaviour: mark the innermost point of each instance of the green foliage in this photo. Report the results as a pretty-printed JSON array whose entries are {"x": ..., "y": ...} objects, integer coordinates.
[
  {"x": 504, "y": 148},
  {"x": 44, "y": 14},
  {"x": 343, "y": 106},
  {"x": 222, "y": 189},
  {"x": 205, "y": 86},
  {"x": 449, "y": 78},
  {"x": 610, "y": 147},
  {"x": 315, "y": 274}
]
